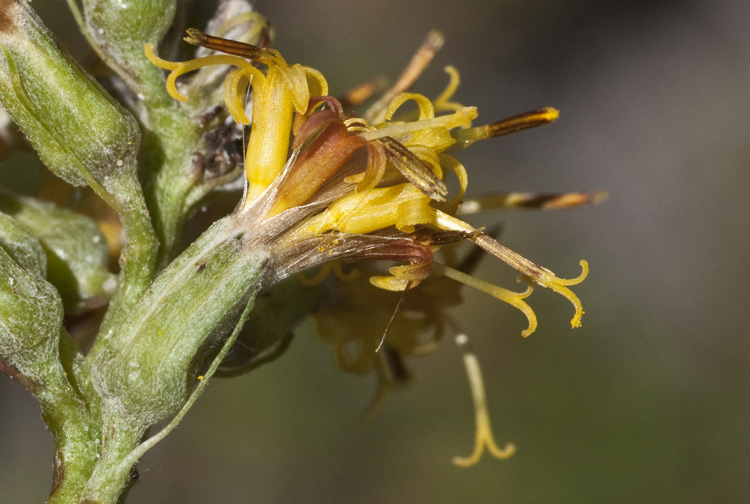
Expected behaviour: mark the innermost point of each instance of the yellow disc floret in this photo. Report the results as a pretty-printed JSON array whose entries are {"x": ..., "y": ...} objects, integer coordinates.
[{"x": 277, "y": 93}]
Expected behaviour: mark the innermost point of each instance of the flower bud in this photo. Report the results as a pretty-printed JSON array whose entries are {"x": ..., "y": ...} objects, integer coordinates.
[
  {"x": 151, "y": 362},
  {"x": 76, "y": 250},
  {"x": 80, "y": 133},
  {"x": 120, "y": 29}
]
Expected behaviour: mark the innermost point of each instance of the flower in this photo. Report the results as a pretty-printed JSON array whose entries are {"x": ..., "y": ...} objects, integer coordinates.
[{"x": 366, "y": 187}]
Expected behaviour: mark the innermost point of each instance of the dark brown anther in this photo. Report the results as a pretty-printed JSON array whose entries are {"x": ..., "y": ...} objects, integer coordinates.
[
  {"x": 248, "y": 51},
  {"x": 414, "y": 169},
  {"x": 432, "y": 238},
  {"x": 469, "y": 263},
  {"x": 526, "y": 120}
]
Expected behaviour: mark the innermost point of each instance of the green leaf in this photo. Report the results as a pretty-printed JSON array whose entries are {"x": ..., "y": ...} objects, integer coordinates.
[
  {"x": 30, "y": 319},
  {"x": 76, "y": 249},
  {"x": 24, "y": 248}
]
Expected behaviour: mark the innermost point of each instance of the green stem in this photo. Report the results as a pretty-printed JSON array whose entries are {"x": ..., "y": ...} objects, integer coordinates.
[
  {"x": 168, "y": 174},
  {"x": 138, "y": 257},
  {"x": 113, "y": 472},
  {"x": 75, "y": 431},
  {"x": 110, "y": 476}
]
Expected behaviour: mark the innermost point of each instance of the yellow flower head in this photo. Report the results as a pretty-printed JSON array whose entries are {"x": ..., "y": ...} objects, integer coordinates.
[
  {"x": 353, "y": 177},
  {"x": 323, "y": 185}
]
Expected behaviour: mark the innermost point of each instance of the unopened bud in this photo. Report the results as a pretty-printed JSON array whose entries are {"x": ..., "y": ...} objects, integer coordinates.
[
  {"x": 81, "y": 134},
  {"x": 121, "y": 29}
]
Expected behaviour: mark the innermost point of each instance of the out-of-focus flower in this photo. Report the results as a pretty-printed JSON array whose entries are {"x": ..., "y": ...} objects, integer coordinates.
[{"x": 323, "y": 186}]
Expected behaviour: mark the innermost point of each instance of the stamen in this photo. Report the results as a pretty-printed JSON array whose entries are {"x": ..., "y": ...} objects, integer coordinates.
[
  {"x": 429, "y": 157},
  {"x": 527, "y": 120},
  {"x": 248, "y": 51},
  {"x": 414, "y": 69},
  {"x": 414, "y": 169},
  {"x": 537, "y": 273},
  {"x": 484, "y": 438},
  {"x": 549, "y": 201},
  {"x": 277, "y": 93},
  {"x": 461, "y": 117}
]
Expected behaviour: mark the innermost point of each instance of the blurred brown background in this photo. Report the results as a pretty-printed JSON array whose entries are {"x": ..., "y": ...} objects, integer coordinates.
[{"x": 648, "y": 402}]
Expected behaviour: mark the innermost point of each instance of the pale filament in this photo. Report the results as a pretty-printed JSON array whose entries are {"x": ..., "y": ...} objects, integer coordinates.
[{"x": 484, "y": 438}]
